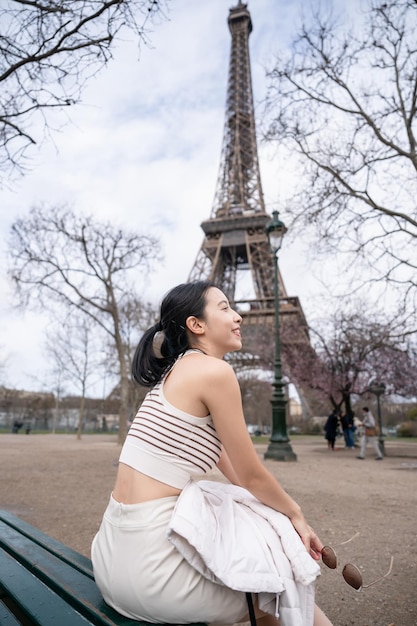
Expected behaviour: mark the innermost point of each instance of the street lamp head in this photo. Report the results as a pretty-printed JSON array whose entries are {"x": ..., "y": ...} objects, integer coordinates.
[
  {"x": 275, "y": 229},
  {"x": 376, "y": 387}
]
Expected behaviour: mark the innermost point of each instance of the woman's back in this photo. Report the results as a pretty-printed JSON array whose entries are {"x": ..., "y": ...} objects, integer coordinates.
[{"x": 172, "y": 438}]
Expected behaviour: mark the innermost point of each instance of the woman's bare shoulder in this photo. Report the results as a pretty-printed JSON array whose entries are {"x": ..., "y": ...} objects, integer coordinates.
[
  {"x": 209, "y": 370},
  {"x": 216, "y": 367}
]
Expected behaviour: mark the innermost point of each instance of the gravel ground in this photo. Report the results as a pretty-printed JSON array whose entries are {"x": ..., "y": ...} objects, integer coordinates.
[{"x": 61, "y": 486}]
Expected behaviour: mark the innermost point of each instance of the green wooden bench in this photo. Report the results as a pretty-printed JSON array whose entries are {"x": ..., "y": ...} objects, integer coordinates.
[{"x": 45, "y": 583}]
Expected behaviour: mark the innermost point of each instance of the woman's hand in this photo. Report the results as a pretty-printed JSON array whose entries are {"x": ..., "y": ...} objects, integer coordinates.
[{"x": 312, "y": 543}]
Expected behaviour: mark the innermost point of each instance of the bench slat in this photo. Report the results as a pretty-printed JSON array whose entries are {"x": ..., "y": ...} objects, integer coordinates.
[
  {"x": 7, "y": 618},
  {"x": 37, "y": 600},
  {"x": 77, "y": 560},
  {"x": 76, "y": 588},
  {"x": 75, "y": 584}
]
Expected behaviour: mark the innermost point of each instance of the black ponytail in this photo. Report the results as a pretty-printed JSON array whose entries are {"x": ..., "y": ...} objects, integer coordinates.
[{"x": 151, "y": 360}]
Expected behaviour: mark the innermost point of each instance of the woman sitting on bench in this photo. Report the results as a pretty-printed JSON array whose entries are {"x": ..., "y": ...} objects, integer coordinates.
[{"x": 171, "y": 548}]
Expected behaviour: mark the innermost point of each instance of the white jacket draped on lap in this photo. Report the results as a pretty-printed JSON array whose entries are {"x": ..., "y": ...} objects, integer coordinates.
[{"x": 231, "y": 538}]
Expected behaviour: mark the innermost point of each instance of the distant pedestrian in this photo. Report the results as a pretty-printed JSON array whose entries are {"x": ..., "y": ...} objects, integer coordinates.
[
  {"x": 17, "y": 425},
  {"x": 369, "y": 435},
  {"x": 346, "y": 420},
  {"x": 330, "y": 429}
]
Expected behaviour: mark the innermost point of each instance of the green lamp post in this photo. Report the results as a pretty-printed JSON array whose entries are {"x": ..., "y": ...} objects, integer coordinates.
[{"x": 279, "y": 447}]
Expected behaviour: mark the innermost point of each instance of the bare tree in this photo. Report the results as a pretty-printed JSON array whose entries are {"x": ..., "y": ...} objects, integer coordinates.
[
  {"x": 48, "y": 51},
  {"x": 345, "y": 100},
  {"x": 76, "y": 355},
  {"x": 60, "y": 258},
  {"x": 135, "y": 317}
]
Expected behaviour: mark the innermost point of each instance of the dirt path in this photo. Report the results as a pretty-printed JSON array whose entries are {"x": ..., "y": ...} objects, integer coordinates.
[{"x": 61, "y": 486}]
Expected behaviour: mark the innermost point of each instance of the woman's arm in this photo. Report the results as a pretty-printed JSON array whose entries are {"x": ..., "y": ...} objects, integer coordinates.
[
  {"x": 221, "y": 395},
  {"x": 226, "y": 468}
]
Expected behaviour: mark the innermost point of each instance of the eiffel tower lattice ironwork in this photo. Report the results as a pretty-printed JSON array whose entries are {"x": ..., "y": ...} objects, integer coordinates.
[{"x": 235, "y": 241}]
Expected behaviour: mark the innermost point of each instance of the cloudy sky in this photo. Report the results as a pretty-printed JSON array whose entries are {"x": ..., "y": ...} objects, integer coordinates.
[{"x": 143, "y": 148}]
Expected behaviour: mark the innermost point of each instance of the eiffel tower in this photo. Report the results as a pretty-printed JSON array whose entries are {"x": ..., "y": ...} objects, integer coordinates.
[{"x": 235, "y": 253}]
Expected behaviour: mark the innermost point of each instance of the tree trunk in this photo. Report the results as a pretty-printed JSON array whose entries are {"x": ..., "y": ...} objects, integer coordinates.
[
  {"x": 124, "y": 379},
  {"x": 124, "y": 407},
  {"x": 81, "y": 416}
]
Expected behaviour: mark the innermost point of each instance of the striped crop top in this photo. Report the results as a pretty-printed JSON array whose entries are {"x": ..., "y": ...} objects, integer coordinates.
[{"x": 168, "y": 444}]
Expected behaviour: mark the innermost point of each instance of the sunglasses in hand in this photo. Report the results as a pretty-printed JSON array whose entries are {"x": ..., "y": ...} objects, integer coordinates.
[{"x": 350, "y": 572}]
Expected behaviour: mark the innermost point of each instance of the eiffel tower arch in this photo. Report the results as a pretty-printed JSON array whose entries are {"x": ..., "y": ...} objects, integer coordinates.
[{"x": 235, "y": 252}]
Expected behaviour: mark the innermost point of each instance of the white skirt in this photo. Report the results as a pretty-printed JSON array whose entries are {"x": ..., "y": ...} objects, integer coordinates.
[{"x": 144, "y": 577}]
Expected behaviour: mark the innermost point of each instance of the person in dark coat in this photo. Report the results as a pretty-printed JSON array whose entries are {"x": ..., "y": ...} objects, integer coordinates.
[{"x": 330, "y": 429}]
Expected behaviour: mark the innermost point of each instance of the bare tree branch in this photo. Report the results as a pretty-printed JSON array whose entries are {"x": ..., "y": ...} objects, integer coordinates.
[
  {"x": 48, "y": 52},
  {"x": 346, "y": 103}
]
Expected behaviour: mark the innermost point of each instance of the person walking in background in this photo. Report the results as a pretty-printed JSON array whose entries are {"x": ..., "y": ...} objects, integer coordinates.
[
  {"x": 369, "y": 435},
  {"x": 346, "y": 420},
  {"x": 330, "y": 429}
]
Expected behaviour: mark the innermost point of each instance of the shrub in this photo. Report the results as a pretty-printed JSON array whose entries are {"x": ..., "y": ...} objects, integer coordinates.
[
  {"x": 314, "y": 429},
  {"x": 412, "y": 414},
  {"x": 407, "y": 429}
]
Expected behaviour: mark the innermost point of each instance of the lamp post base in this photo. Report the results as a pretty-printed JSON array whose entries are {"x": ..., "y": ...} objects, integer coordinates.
[
  {"x": 382, "y": 445},
  {"x": 280, "y": 451}
]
